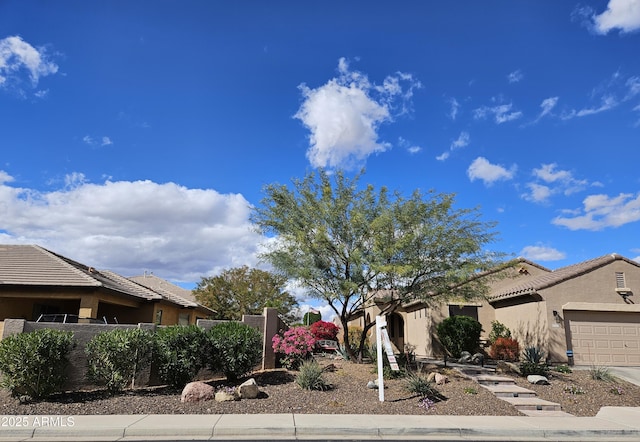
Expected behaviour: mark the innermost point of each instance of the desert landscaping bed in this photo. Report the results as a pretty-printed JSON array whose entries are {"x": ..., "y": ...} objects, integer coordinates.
[{"x": 576, "y": 392}]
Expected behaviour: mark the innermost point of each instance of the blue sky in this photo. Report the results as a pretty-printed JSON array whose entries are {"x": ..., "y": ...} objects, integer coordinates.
[{"x": 135, "y": 135}]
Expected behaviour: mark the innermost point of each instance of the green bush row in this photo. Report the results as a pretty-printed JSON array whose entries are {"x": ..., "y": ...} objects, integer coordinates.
[{"x": 34, "y": 364}]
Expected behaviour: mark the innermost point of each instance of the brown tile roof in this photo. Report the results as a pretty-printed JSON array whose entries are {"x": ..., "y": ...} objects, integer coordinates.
[
  {"x": 557, "y": 276},
  {"x": 33, "y": 265},
  {"x": 168, "y": 290}
]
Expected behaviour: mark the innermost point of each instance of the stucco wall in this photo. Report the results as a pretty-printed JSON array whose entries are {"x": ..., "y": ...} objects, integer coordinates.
[{"x": 527, "y": 323}]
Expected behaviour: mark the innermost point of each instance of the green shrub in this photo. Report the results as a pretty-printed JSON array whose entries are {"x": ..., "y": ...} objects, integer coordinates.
[
  {"x": 311, "y": 376},
  {"x": 34, "y": 364},
  {"x": 563, "y": 369},
  {"x": 532, "y": 362},
  {"x": 234, "y": 349},
  {"x": 178, "y": 353},
  {"x": 505, "y": 349},
  {"x": 115, "y": 357},
  {"x": 458, "y": 334},
  {"x": 498, "y": 330}
]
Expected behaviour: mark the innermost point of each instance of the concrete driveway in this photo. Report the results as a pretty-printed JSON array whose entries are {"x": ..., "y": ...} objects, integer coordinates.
[{"x": 629, "y": 374}]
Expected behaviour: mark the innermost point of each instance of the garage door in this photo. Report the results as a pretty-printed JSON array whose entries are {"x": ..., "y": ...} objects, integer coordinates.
[{"x": 605, "y": 338}]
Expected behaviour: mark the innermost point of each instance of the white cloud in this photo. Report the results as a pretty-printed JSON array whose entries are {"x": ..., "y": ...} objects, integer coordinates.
[
  {"x": 18, "y": 57},
  {"x": 620, "y": 14},
  {"x": 502, "y": 113},
  {"x": 601, "y": 211},
  {"x": 411, "y": 148},
  {"x": 344, "y": 115},
  {"x": 515, "y": 76},
  {"x": 555, "y": 182},
  {"x": 460, "y": 142},
  {"x": 129, "y": 227},
  {"x": 542, "y": 253},
  {"x": 538, "y": 193},
  {"x": 610, "y": 94},
  {"x": 455, "y": 107},
  {"x": 489, "y": 173},
  {"x": 91, "y": 141}
]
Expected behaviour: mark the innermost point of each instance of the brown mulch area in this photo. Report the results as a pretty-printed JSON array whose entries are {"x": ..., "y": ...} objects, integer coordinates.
[{"x": 349, "y": 395}]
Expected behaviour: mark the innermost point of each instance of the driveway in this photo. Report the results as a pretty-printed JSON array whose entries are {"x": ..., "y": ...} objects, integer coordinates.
[{"x": 629, "y": 374}]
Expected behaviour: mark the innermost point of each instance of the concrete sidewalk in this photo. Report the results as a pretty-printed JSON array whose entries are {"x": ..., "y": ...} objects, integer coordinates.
[{"x": 611, "y": 424}]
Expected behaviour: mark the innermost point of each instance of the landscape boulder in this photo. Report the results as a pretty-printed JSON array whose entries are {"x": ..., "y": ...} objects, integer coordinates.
[
  {"x": 196, "y": 392},
  {"x": 537, "y": 379},
  {"x": 249, "y": 389},
  {"x": 507, "y": 367},
  {"x": 227, "y": 395},
  {"x": 440, "y": 379}
]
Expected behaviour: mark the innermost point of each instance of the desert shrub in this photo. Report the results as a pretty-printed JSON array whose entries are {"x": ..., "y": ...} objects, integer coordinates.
[
  {"x": 355, "y": 333},
  {"x": 498, "y": 330},
  {"x": 418, "y": 384},
  {"x": 532, "y": 362},
  {"x": 324, "y": 330},
  {"x": 294, "y": 346},
  {"x": 234, "y": 349},
  {"x": 115, "y": 357},
  {"x": 178, "y": 353},
  {"x": 311, "y": 376},
  {"x": 34, "y": 364},
  {"x": 563, "y": 369},
  {"x": 600, "y": 373},
  {"x": 458, "y": 334},
  {"x": 505, "y": 349}
]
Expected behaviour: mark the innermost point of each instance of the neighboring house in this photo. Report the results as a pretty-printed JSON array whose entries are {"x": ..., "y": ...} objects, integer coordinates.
[
  {"x": 35, "y": 281},
  {"x": 586, "y": 308}
]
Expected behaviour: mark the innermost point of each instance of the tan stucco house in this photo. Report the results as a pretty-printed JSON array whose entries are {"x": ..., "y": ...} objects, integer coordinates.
[
  {"x": 35, "y": 281},
  {"x": 586, "y": 310}
]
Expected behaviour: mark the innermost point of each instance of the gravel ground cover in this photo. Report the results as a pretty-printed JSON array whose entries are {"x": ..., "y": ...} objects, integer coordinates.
[{"x": 576, "y": 392}]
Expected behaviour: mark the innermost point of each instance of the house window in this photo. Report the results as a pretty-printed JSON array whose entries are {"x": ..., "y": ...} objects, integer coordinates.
[
  {"x": 620, "y": 282},
  {"x": 159, "y": 317},
  {"x": 464, "y": 310},
  {"x": 183, "y": 319}
]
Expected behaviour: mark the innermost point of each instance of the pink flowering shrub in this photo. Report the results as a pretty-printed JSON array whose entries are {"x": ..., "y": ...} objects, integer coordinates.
[{"x": 294, "y": 346}]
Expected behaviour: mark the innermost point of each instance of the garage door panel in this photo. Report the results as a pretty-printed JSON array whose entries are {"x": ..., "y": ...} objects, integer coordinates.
[{"x": 603, "y": 338}]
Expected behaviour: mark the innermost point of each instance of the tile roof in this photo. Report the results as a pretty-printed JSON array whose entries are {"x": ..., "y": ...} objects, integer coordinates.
[
  {"x": 166, "y": 289},
  {"x": 545, "y": 280},
  {"x": 33, "y": 265}
]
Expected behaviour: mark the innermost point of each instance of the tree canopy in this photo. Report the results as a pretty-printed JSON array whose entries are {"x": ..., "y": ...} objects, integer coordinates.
[
  {"x": 246, "y": 291},
  {"x": 348, "y": 245}
]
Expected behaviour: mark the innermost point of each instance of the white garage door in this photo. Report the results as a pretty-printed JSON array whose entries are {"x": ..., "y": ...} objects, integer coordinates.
[{"x": 605, "y": 338}]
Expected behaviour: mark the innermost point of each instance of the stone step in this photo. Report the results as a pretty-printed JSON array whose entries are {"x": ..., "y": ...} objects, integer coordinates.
[
  {"x": 545, "y": 413},
  {"x": 532, "y": 403},
  {"x": 493, "y": 380},
  {"x": 509, "y": 390}
]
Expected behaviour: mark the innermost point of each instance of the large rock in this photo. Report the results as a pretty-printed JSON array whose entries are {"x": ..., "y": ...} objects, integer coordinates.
[
  {"x": 507, "y": 367},
  {"x": 440, "y": 379},
  {"x": 537, "y": 379},
  {"x": 249, "y": 389},
  {"x": 227, "y": 395},
  {"x": 196, "y": 392},
  {"x": 465, "y": 358}
]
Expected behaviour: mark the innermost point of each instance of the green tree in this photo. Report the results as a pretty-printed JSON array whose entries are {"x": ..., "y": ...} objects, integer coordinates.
[
  {"x": 347, "y": 245},
  {"x": 244, "y": 291}
]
